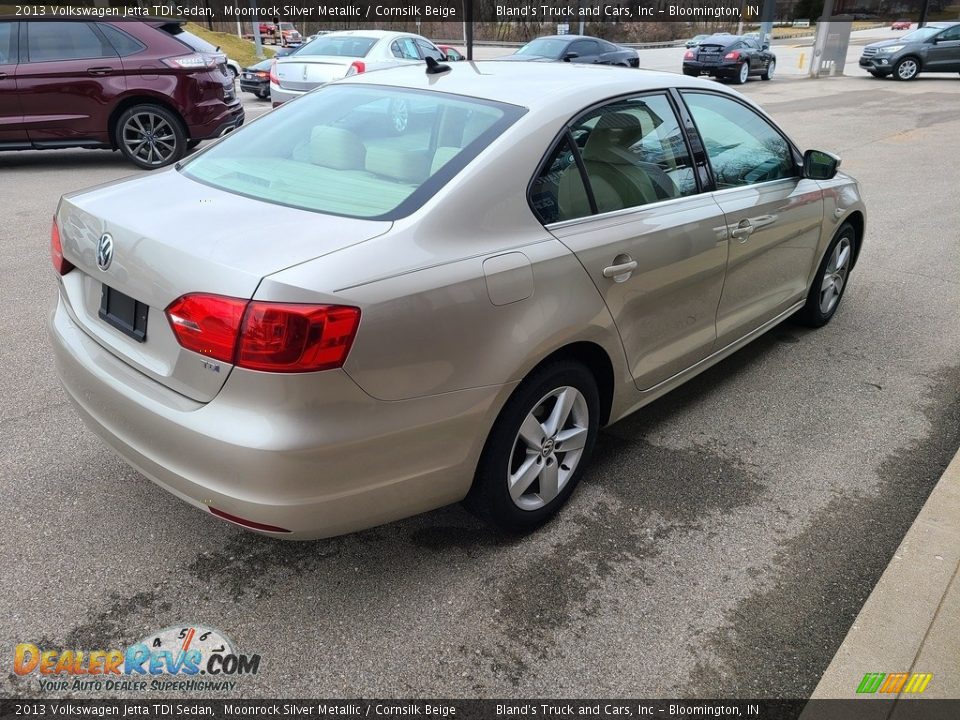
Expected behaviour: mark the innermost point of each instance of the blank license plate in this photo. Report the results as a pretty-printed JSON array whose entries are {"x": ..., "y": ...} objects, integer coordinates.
[{"x": 127, "y": 315}]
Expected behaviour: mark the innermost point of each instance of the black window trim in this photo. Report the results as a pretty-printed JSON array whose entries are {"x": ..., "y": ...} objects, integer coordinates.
[
  {"x": 795, "y": 152},
  {"x": 24, "y": 54},
  {"x": 566, "y": 132}
]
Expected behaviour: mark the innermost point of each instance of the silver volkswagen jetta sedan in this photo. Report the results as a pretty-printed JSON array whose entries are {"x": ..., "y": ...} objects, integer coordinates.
[{"x": 325, "y": 322}]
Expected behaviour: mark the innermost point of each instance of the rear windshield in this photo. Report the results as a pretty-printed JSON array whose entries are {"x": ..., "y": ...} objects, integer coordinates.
[
  {"x": 339, "y": 45},
  {"x": 544, "y": 47},
  {"x": 362, "y": 151},
  {"x": 189, "y": 39}
]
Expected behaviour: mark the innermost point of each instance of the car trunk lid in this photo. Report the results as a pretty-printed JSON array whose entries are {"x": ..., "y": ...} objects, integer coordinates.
[
  {"x": 172, "y": 236},
  {"x": 306, "y": 73}
]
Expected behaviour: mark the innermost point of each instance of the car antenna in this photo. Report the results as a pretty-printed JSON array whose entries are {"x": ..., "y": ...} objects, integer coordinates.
[{"x": 435, "y": 68}]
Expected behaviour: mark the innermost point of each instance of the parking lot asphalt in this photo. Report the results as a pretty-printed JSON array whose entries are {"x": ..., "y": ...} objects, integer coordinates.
[{"x": 721, "y": 544}]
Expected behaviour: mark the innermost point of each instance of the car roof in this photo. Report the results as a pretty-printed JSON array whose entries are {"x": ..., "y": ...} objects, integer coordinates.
[{"x": 531, "y": 85}]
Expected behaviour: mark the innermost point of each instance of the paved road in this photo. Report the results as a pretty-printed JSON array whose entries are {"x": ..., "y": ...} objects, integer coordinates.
[{"x": 721, "y": 545}]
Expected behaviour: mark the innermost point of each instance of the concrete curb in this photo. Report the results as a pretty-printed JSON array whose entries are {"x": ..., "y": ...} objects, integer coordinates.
[{"x": 911, "y": 621}]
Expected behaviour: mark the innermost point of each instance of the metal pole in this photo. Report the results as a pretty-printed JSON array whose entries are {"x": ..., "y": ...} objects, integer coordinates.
[
  {"x": 468, "y": 28},
  {"x": 766, "y": 24},
  {"x": 923, "y": 13},
  {"x": 257, "y": 40}
]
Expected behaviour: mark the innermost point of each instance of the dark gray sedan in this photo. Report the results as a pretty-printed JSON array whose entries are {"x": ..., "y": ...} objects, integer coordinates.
[{"x": 576, "y": 49}]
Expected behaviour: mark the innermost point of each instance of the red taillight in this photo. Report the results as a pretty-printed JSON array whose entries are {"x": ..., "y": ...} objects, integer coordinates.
[
  {"x": 272, "y": 337},
  {"x": 274, "y": 78},
  {"x": 356, "y": 67},
  {"x": 688, "y": 55},
  {"x": 194, "y": 61},
  {"x": 732, "y": 55},
  {"x": 60, "y": 263},
  {"x": 207, "y": 324}
]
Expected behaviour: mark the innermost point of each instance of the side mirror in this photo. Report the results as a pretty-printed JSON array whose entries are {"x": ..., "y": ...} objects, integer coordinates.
[
  {"x": 820, "y": 165},
  {"x": 567, "y": 57},
  {"x": 766, "y": 46}
]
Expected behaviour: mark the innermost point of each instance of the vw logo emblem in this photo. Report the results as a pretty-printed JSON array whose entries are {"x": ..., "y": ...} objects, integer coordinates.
[{"x": 105, "y": 251}]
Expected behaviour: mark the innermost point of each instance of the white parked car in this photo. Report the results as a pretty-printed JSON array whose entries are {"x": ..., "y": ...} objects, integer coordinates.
[{"x": 342, "y": 54}]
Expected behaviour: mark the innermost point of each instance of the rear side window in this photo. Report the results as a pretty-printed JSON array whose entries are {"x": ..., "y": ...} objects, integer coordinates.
[
  {"x": 361, "y": 151},
  {"x": 65, "y": 41},
  {"x": 558, "y": 192},
  {"x": 404, "y": 48},
  {"x": 8, "y": 45},
  {"x": 122, "y": 43}
]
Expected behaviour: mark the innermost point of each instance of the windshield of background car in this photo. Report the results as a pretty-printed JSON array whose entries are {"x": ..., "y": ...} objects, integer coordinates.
[
  {"x": 362, "y": 151},
  {"x": 921, "y": 34},
  {"x": 342, "y": 46},
  {"x": 544, "y": 47}
]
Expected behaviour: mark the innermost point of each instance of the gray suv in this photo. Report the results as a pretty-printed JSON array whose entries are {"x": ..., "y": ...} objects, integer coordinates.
[{"x": 932, "y": 48}]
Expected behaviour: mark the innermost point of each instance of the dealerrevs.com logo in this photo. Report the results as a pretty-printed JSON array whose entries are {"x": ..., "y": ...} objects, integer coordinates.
[{"x": 183, "y": 658}]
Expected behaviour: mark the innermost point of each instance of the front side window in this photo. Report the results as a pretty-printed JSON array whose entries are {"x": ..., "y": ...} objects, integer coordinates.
[
  {"x": 950, "y": 34},
  {"x": 742, "y": 146},
  {"x": 584, "y": 48},
  {"x": 341, "y": 150},
  {"x": 65, "y": 41}
]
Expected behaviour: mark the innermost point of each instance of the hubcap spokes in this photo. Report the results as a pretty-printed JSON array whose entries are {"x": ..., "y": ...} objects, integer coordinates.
[
  {"x": 149, "y": 138},
  {"x": 835, "y": 276},
  {"x": 548, "y": 448}
]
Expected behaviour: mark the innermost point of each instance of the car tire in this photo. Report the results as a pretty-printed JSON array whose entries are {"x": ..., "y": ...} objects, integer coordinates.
[
  {"x": 825, "y": 293},
  {"x": 769, "y": 70},
  {"x": 742, "y": 74},
  {"x": 906, "y": 69},
  {"x": 520, "y": 484},
  {"x": 150, "y": 136}
]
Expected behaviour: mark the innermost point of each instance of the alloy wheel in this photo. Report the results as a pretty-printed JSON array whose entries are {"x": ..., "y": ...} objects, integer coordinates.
[
  {"x": 907, "y": 69},
  {"x": 744, "y": 73},
  {"x": 835, "y": 276},
  {"x": 149, "y": 138},
  {"x": 548, "y": 448}
]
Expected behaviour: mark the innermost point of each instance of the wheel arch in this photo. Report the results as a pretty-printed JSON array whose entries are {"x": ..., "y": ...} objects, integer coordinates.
[
  {"x": 142, "y": 99},
  {"x": 859, "y": 227}
]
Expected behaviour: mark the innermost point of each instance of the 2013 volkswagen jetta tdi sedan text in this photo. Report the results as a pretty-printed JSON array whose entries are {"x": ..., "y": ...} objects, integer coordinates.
[{"x": 328, "y": 322}]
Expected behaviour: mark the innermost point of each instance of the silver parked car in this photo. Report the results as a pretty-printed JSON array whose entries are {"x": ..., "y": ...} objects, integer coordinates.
[
  {"x": 342, "y": 54},
  {"x": 322, "y": 323}
]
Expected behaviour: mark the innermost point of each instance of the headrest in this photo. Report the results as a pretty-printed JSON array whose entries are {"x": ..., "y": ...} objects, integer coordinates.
[
  {"x": 409, "y": 166},
  {"x": 336, "y": 148}
]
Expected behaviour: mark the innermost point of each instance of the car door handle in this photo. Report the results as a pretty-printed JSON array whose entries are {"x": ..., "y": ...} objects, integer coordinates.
[
  {"x": 623, "y": 268},
  {"x": 99, "y": 71},
  {"x": 742, "y": 231},
  {"x": 3, "y": 76}
]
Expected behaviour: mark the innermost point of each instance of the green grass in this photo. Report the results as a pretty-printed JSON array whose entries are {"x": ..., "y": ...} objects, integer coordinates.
[{"x": 236, "y": 48}]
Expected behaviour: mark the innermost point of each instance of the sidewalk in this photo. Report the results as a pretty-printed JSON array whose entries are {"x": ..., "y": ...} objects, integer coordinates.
[{"x": 911, "y": 621}]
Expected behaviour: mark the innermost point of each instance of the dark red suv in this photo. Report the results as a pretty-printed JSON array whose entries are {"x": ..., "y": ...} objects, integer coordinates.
[{"x": 138, "y": 87}]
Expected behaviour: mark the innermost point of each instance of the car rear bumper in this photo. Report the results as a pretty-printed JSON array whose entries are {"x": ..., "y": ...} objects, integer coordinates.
[
  {"x": 279, "y": 95},
  {"x": 257, "y": 87},
  {"x": 714, "y": 69},
  {"x": 311, "y": 455},
  {"x": 218, "y": 118}
]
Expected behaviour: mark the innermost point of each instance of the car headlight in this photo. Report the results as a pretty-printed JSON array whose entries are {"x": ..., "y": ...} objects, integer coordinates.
[{"x": 890, "y": 49}]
